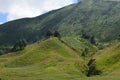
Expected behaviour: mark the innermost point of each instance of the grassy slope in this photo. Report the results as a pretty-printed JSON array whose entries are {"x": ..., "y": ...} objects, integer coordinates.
[
  {"x": 53, "y": 60},
  {"x": 108, "y": 59},
  {"x": 79, "y": 44},
  {"x": 50, "y": 58}
]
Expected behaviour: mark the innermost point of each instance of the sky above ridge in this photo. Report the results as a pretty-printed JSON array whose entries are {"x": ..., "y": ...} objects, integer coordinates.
[{"x": 15, "y": 9}]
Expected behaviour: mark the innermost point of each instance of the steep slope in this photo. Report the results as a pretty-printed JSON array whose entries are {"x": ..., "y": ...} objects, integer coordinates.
[
  {"x": 108, "y": 59},
  {"x": 95, "y": 17},
  {"x": 79, "y": 44}
]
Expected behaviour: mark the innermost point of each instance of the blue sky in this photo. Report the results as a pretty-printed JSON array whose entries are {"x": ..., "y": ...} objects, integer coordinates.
[
  {"x": 3, "y": 17},
  {"x": 15, "y": 9}
]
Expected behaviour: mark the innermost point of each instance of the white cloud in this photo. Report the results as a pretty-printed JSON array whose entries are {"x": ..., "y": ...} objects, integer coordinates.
[{"x": 30, "y": 8}]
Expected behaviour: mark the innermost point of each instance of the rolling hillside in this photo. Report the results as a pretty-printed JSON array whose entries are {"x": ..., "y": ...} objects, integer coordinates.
[
  {"x": 99, "y": 18},
  {"x": 50, "y": 57},
  {"x": 54, "y": 60},
  {"x": 108, "y": 59},
  {"x": 72, "y": 55}
]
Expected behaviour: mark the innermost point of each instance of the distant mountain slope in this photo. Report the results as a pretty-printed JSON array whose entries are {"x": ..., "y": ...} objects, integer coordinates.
[{"x": 95, "y": 17}]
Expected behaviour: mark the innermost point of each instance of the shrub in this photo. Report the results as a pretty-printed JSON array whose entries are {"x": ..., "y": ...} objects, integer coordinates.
[
  {"x": 57, "y": 34},
  {"x": 85, "y": 52},
  {"x": 92, "y": 68},
  {"x": 49, "y": 33},
  {"x": 1, "y": 52}
]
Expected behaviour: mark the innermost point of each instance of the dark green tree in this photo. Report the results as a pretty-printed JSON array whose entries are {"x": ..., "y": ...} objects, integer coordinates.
[
  {"x": 57, "y": 34},
  {"x": 49, "y": 33},
  {"x": 85, "y": 52},
  {"x": 22, "y": 44},
  {"x": 85, "y": 36},
  {"x": 19, "y": 45},
  {"x": 16, "y": 46},
  {"x": 118, "y": 37},
  {"x": 1, "y": 52},
  {"x": 92, "y": 40},
  {"x": 92, "y": 68}
]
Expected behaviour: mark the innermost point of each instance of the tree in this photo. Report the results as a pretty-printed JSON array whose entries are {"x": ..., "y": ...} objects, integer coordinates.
[
  {"x": 85, "y": 36},
  {"x": 22, "y": 44},
  {"x": 16, "y": 46},
  {"x": 19, "y": 45},
  {"x": 92, "y": 68},
  {"x": 92, "y": 40},
  {"x": 118, "y": 37},
  {"x": 1, "y": 52},
  {"x": 89, "y": 37},
  {"x": 85, "y": 52},
  {"x": 49, "y": 33},
  {"x": 57, "y": 34}
]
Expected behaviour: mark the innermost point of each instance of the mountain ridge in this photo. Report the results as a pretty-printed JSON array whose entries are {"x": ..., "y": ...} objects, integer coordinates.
[{"x": 100, "y": 19}]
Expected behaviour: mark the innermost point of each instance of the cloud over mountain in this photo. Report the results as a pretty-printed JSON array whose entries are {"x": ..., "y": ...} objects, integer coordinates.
[{"x": 30, "y": 8}]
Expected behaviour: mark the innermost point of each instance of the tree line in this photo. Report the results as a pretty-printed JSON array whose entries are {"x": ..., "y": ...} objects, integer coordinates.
[
  {"x": 19, "y": 45},
  {"x": 89, "y": 37}
]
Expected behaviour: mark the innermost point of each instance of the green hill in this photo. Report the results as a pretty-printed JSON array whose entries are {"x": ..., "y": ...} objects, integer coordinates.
[
  {"x": 54, "y": 60},
  {"x": 108, "y": 59},
  {"x": 70, "y": 57},
  {"x": 48, "y": 58},
  {"x": 99, "y": 18}
]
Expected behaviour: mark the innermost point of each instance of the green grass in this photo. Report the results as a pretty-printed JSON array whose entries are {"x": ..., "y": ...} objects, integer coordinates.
[
  {"x": 53, "y": 60},
  {"x": 108, "y": 59},
  {"x": 50, "y": 57},
  {"x": 79, "y": 44}
]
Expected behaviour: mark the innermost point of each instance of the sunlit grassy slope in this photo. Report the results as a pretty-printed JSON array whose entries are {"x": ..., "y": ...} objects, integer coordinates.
[
  {"x": 79, "y": 44},
  {"x": 54, "y": 60},
  {"x": 108, "y": 59},
  {"x": 48, "y": 57}
]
